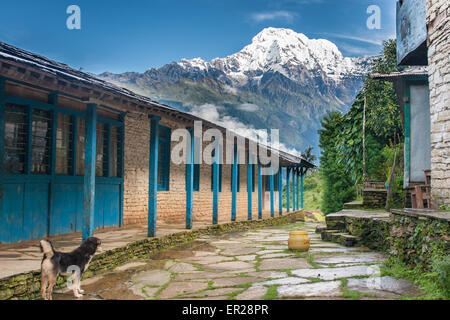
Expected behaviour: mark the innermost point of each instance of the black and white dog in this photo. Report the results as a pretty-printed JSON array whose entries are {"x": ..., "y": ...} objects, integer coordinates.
[{"x": 72, "y": 264}]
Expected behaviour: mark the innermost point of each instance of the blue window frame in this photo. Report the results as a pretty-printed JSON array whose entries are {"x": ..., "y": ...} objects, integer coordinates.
[
  {"x": 164, "y": 158},
  {"x": 238, "y": 178}
]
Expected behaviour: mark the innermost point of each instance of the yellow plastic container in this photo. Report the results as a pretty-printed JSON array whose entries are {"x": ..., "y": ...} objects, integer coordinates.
[{"x": 298, "y": 240}]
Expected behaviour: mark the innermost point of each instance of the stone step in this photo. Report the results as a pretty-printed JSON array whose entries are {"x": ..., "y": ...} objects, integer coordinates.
[
  {"x": 353, "y": 205},
  {"x": 319, "y": 229},
  {"x": 348, "y": 240},
  {"x": 327, "y": 234},
  {"x": 335, "y": 222}
]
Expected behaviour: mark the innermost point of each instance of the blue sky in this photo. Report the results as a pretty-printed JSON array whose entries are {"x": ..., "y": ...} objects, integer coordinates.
[{"x": 135, "y": 35}]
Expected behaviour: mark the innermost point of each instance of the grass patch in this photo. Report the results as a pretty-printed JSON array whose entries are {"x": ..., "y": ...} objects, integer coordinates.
[
  {"x": 429, "y": 281},
  {"x": 271, "y": 293}
]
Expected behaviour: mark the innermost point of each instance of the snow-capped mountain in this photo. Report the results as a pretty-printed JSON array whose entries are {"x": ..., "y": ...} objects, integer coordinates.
[
  {"x": 282, "y": 79},
  {"x": 284, "y": 51}
]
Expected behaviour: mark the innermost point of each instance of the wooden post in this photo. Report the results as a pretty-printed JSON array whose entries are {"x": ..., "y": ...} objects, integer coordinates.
[
  {"x": 234, "y": 183},
  {"x": 280, "y": 190},
  {"x": 249, "y": 186},
  {"x": 89, "y": 171},
  {"x": 53, "y": 99},
  {"x": 153, "y": 175},
  {"x": 216, "y": 178},
  {"x": 259, "y": 192},
  {"x": 272, "y": 196},
  {"x": 189, "y": 177},
  {"x": 298, "y": 188},
  {"x": 287, "y": 189}
]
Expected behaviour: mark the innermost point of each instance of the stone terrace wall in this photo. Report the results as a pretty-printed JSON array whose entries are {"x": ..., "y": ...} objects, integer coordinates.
[
  {"x": 417, "y": 238},
  {"x": 438, "y": 24}
]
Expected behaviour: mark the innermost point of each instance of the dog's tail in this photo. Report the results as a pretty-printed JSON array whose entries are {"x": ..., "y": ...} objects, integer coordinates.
[{"x": 47, "y": 248}]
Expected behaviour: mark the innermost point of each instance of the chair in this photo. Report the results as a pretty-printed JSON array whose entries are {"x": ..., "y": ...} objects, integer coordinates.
[{"x": 422, "y": 193}]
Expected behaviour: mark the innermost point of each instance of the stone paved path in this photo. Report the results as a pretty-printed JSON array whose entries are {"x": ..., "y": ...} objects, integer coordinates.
[{"x": 249, "y": 265}]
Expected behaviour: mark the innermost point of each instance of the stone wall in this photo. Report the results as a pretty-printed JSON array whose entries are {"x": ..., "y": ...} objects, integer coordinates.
[
  {"x": 26, "y": 286},
  {"x": 438, "y": 25},
  {"x": 416, "y": 238},
  {"x": 171, "y": 206}
]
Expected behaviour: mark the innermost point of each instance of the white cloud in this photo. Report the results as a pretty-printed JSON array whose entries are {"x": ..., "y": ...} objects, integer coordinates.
[
  {"x": 348, "y": 37},
  {"x": 265, "y": 16},
  {"x": 249, "y": 107},
  {"x": 211, "y": 113}
]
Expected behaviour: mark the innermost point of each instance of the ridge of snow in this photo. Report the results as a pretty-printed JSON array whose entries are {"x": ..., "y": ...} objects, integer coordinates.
[{"x": 285, "y": 51}]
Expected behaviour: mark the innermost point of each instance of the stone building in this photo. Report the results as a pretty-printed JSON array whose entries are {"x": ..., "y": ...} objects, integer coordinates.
[
  {"x": 423, "y": 31},
  {"x": 79, "y": 154},
  {"x": 438, "y": 42}
]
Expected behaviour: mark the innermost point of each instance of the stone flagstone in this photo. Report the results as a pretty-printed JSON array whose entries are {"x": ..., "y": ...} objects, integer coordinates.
[
  {"x": 336, "y": 273},
  {"x": 285, "y": 281},
  {"x": 229, "y": 266},
  {"x": 253, "y": 293},
  {"x": 318, "y": 289},
  {"x": 177, "y": 288},
  {"x": 356, "y": 258},
  {"x": 286, "y": 263}
]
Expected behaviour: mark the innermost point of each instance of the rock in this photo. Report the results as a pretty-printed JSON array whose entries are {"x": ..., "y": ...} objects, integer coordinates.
[
  {"x": 152, "y": 278},
  {"x": 230, "y": 266},
  {"x": 336, "y": 273},
  {"x": 268, "y": 274},
  {"x": 382, "y": 286},
  {"x": 318, "y": 289},
  {"x": 121, "y": 293},
  {"x": 275, "y": 255},
  {"x": 284, "y": 281},
  {"x": 249, "y": 257},
  {"x": 286, "y": 263},
  {"x": 235, "y": 281},
  {"x": 253, "y": 293},
  {"x": 239, "y": 251},
  {"x": 129, "y": 266},
  {"x": 182, "y": 267},
  {"x": 177, "y": 288},
  {"x": 357, "y": 258}
]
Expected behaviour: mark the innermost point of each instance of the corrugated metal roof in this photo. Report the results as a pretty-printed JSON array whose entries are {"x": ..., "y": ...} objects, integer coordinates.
[{"x": 61, "y": 70}]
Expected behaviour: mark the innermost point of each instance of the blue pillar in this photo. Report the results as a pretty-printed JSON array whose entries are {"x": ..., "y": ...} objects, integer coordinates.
[
  {"x": 272, "y": 196},
  {"x": 294, "y": 206},
  {"x": 189, "y": 177},
  {"x": 301, "y": 187},
  {"x": 216, "y": 184},
  {"x": 287, "y": 189},
  {"x": 259, "y": 192},
  {"x": 153, "y": 175},
  {"x": 298, "y": 189},
  {"x": 234, "y": 183},
  {"x": 89, "y": 171},
  {"x": 249, "y": 186},
  {"x": 280, "y": 190}
]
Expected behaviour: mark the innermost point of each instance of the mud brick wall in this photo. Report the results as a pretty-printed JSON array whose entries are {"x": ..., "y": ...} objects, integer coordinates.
[
  {"x": 171, "y": 204},
  {"x": 26, "y": 286},
  {"x": 438, "y": 25},
  {"x": 416, "y": 239}
]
